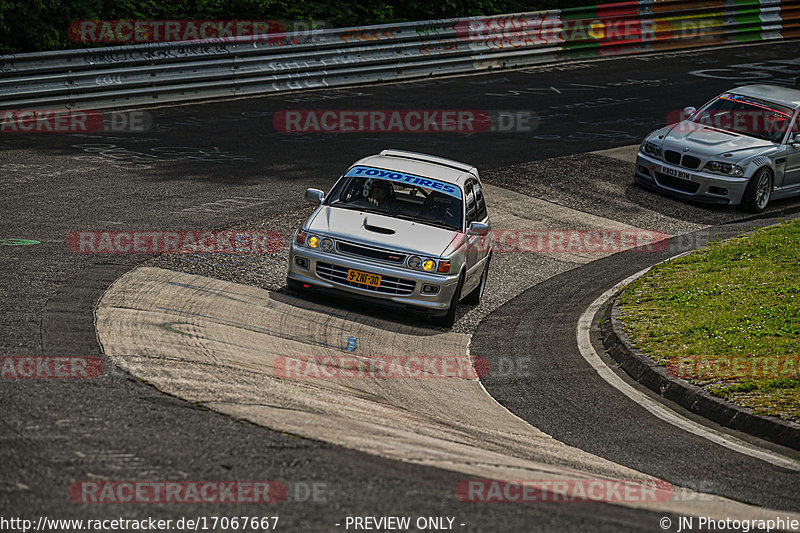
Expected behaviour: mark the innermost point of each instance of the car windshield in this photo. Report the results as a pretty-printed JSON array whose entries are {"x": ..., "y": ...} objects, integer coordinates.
[
  {"x": 398, "y": 196},
  {"x": 747, "y": 116}
]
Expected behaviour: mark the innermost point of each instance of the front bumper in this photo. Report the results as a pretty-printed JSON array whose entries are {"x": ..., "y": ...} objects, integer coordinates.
[
  {"x": 701, "y": 186},
  {"x": 324, "y": 270}
]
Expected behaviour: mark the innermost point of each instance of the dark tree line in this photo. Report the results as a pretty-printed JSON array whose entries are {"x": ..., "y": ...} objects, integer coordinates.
[{"x": 33, "y": 25}]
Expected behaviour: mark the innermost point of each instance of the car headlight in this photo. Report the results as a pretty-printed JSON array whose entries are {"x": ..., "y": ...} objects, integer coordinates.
[
  {"x": 724, "y": 168},
  {"x": 428, "y": 265},
  {"x": 313, "y": 241},
  {"x": 651, "y": 148},
  {"x": 326, "y": 245}
]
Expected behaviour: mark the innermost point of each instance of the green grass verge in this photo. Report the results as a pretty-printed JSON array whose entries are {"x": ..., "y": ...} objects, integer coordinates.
[{"x": 727, "y": 318}]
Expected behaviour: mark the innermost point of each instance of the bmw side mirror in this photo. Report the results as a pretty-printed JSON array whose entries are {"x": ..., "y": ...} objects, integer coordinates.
[
  {"x": 795, "y": 141},
  {"x": 478, "y": 228},
  {"x": 315, "y": 196},
  {"x": 689, "y": 111}
]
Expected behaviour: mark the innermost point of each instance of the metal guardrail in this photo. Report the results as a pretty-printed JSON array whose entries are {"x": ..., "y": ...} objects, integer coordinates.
[{"x": 142, "y": 74}]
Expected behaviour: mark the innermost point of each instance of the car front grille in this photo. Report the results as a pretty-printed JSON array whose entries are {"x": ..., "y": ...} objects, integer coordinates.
[
  {"x": 389, "y": 284},
  {"x": 688, "y": 161},
  {"x": 372, "y": 253},
  {"x": 677, "y": 183},
  {"x": 672, "y": 157}
]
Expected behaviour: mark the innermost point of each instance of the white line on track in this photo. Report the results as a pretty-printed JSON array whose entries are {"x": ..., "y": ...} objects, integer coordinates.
[{"x": 656, "y": 408}]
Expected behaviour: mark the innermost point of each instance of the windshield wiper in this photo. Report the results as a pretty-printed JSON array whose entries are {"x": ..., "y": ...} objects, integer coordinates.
[
  {"x": 364, "y": 209},
  {"x": 435, "y": 223}
]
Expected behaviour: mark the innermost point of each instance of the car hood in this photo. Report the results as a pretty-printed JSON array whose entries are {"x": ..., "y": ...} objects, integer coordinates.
[
  {"x": 381, "y": 231},
  {"x": 706, "y": 142}
]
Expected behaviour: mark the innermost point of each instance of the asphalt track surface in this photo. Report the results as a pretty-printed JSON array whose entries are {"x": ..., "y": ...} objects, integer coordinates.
[
  {"x": 179, "y": 176},
  {"x": 594, "y": 417}
]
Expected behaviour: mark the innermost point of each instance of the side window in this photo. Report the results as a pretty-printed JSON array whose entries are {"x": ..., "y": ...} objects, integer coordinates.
[
  {"x": 794, "y": 131},
  {"x": 470, "y": 201},
  {"x": 479, "y": 201}
]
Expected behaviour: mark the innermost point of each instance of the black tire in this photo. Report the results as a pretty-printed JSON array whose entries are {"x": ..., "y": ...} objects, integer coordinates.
[
  {"x": 474, "y": 297},
  {"x": 449, "y": 319},
  {"x": 758, "y": 191}
]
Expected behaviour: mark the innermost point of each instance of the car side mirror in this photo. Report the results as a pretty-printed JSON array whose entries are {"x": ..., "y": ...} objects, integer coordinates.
[
  {"x": 689, "y": 111},
  {"x": 478, "y": 228},
  {"x": 795, "y": 141},
  {"x": 315, "y": 196}
]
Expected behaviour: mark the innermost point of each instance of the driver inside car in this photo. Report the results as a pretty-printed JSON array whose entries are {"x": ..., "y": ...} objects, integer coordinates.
[{"x": 380, "y": 194}]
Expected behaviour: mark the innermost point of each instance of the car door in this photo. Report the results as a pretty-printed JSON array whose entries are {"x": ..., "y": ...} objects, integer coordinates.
[
  {"x": 473, "y": 241},
  {"x": 791, "y": 176},
  {"x": 482, "y": 216}
]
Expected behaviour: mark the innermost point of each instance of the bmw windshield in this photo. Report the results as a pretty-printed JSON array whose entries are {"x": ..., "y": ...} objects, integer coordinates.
[
  {"x": 399, "y": 195},
  {"x": 746, "y": 116}
]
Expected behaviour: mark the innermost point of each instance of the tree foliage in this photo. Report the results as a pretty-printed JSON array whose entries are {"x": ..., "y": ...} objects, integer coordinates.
[{"x": 34, "y": 25}]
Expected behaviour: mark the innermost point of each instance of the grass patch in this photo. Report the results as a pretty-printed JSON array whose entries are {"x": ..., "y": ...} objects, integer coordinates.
[{"x": 727, "y": 318}]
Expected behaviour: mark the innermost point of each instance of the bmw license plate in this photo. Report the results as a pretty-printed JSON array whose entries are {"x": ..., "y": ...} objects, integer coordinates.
[
  {"x": 676, "y": 173},
  {"x": 364, "y": 278}
]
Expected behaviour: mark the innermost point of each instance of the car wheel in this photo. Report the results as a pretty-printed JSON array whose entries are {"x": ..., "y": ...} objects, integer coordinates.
[
  {"x": 474, "y": 298},
  {"x": 758, "y": 191},
  {"x": 450, "y": 318}
]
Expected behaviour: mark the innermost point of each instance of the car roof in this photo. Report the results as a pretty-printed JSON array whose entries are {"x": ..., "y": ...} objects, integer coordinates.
[
  {"x": 779, "y": 95},
  {"x": 429, "y": 166}
]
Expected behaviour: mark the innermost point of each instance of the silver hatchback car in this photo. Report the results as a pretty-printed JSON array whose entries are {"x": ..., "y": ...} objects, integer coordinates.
[
  {"x": 743, "y": 147},
  {"x": 399, "y": 228}
]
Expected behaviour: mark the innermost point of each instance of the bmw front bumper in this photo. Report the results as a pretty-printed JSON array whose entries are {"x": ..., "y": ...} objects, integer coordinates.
[
  {"x": 690, "y": 184},
  {"x": 328, "y": 271}
]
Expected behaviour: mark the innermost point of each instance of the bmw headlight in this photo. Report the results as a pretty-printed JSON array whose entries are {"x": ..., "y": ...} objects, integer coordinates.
[
  {"x": 313, "y": 241},
  {"x": 428, "y": 265},
  {"x": 724, "y": 168},
  {"x": 651, "y": 148},
  {"x": 414, "y": 261}
]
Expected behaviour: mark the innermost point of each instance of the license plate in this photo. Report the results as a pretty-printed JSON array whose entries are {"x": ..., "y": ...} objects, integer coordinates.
[
  {"x": 677, "y": 173},
  {"x": 364, "y": 278}
]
